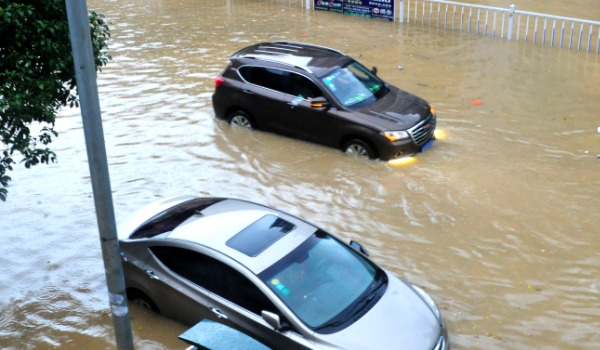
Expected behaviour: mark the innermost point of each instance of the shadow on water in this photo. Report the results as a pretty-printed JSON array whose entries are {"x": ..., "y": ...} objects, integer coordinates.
[{"x": 497, "y": 221}]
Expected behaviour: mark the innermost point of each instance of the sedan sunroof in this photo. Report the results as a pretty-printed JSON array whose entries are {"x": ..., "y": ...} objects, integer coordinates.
[{"x": 260, "y": 235}]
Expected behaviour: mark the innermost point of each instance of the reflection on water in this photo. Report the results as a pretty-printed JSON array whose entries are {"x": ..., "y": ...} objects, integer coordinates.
[{"x": 498, "y": 220}]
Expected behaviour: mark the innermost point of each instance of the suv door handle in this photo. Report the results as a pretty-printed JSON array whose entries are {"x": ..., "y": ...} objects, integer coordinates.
[
  {"x": 248, "y": 92},
  {"x": 218, "y": 312},
  {"x": 152, "y": 275}
]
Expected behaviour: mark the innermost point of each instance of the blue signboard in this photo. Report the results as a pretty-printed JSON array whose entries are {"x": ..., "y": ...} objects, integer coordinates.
[{"x": 382, "y": 9}]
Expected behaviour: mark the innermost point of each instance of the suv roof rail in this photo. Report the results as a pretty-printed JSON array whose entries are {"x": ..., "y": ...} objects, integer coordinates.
[
  {"x": 298, "y": 43},
  {"x": 263, "y": 58}
]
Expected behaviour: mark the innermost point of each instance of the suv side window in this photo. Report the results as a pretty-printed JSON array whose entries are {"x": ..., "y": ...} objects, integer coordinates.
[
  {"x": 300, "y": 85},
  {"x": 214, "y": 276},
  {"x": 269, "y": 78}
]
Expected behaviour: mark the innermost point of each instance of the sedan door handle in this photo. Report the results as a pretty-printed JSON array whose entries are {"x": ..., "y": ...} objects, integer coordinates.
[
  {"x": 218, "y": 312},
  {"x": 248, "y": 92},
  {"x": 152, "y": 275}
]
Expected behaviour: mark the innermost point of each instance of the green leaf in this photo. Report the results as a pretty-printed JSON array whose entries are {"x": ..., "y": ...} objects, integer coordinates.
[{"x": 37, "y": 77}]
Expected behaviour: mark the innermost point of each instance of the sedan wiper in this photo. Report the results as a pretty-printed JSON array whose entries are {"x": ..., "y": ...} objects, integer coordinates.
[
  {"x": 357, "y": 308},
  {"x": 331, "y": 324}
]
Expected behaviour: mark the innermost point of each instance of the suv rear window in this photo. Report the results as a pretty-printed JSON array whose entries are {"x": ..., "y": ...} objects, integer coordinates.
[{"x": 260, "y": 235}]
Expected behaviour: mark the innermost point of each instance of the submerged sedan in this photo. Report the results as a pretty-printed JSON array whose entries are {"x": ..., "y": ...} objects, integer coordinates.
[{"x": 273, "y": 276}]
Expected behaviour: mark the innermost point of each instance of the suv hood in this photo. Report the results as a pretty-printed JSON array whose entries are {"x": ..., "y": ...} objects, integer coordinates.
[
  {"x": 397, "y": 110},
  {"x": 399, "y": 320}
]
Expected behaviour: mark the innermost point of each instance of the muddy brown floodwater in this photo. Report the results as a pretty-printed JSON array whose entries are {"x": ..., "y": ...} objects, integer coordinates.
[{"x": 499, "y": 221}]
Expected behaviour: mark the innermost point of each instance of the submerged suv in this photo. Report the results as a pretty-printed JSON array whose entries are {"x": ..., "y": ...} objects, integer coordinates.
[{"x": 319, "y": 94}]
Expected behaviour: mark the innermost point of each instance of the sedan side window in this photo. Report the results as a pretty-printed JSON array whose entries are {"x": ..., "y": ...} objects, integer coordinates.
[
  {"x": 214, "y": 276},
  {"x": 187, "y": 264},
  {"x": 269, "y": 78}
]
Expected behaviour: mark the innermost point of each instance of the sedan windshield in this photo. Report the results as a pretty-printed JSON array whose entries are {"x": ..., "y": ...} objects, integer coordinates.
[
  {"x": 354, "y": 86},
  {"x": 325, "y": 283}
]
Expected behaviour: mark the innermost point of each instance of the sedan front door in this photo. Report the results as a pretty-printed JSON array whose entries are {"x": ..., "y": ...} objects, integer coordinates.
[{"x": 236, "y": 302}]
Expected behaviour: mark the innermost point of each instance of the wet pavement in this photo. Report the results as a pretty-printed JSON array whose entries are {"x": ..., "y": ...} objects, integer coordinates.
[{"x": 499, "y": 220}]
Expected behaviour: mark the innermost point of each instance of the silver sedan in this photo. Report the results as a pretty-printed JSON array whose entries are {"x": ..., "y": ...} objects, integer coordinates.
[{"x": 273, "y": 276}]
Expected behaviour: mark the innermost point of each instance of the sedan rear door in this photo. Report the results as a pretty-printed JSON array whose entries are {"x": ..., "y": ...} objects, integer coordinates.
[{"x": 169, "y": 273}]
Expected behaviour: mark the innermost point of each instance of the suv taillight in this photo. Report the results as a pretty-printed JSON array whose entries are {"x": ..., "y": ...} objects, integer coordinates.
[{"x": 219, "y": 81}]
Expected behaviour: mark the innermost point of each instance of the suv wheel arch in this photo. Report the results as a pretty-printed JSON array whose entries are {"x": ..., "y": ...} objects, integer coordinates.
[{"x": 353, "y": 140}]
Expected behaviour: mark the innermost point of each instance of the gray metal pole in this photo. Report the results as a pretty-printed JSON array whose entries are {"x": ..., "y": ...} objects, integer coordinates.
[
  {"x": 511, "y": 16},
  {"x": 85, "y": 71}
]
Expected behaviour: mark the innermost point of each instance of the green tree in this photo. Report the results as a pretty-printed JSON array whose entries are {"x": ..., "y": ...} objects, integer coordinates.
[{"x": 37, "y": 77}]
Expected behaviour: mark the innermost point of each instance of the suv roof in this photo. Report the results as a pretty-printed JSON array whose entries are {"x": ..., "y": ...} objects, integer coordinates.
[{"x": 308, "y": 57}]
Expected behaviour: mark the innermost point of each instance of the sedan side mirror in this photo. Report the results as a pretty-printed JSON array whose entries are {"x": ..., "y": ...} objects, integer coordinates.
[
  {"x": 272, "y": 319},
  {"x": 319, "y": 102},
  {"x": 359, "y": 248},
  {"x": 374, "y": 70}
]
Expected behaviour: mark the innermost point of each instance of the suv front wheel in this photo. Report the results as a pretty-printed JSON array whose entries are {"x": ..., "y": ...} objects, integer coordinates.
[{"x": 359, "y": 147}]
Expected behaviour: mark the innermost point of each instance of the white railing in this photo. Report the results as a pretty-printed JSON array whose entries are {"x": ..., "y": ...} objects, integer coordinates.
[{"x": 479, "y": 19}]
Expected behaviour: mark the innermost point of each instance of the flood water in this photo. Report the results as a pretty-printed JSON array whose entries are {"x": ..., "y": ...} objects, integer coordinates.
[{"x": 499, "y": 220}]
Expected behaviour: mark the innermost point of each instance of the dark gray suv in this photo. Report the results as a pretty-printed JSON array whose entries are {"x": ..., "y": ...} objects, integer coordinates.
[{"x": 319, "y": 94}]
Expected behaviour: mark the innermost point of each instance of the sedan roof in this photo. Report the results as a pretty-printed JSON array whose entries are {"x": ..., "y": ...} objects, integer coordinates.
[{"x": 220, "y": 222}]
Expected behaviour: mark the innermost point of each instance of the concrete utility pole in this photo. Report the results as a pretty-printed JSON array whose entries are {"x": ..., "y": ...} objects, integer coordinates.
[{"x": 85, "y": 72}]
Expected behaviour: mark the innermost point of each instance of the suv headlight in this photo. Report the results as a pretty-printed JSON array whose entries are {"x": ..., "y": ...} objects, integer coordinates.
[
  {"x": 429, "y": 301},
  {"x": 395, "y": 135}
]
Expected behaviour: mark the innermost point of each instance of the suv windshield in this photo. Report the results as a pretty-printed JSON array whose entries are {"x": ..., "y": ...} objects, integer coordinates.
[
  {"x": 325, "y": 283},
  {"x": 354, "y": 86}
]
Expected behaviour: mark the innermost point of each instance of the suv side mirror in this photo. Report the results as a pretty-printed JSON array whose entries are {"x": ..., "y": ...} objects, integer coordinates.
[
  {"x": 319, "y": 102},
  {"x": 374, "y": 70},
  {"x": 272, "y": 319},
  {"x": 359, "y": 248}
]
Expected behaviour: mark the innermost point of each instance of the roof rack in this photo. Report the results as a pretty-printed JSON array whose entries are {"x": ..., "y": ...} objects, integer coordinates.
[
  {"x": 263, "y": 58},
  {"x": 309, "y": 45}
]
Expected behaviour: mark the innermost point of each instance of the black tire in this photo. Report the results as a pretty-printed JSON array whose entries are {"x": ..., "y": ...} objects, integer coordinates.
[
  {"x": 360, "y": 148},
  {"x": 142, "y": 299},
  {"x": 242, "y": 119}
]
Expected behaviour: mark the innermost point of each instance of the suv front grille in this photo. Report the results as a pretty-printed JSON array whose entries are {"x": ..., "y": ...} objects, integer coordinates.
[{"x": 422, "y": 132}]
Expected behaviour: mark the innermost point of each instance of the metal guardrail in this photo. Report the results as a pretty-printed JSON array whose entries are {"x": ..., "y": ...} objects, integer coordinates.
[
  {"x": 437, "y": 12},
  {"x": 484, "y": 20}
]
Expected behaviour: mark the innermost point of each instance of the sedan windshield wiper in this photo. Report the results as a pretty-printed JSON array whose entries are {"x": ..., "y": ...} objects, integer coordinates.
[
  {"x": 331, "y": 324},
  {"x": 358, "y": 307}
]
